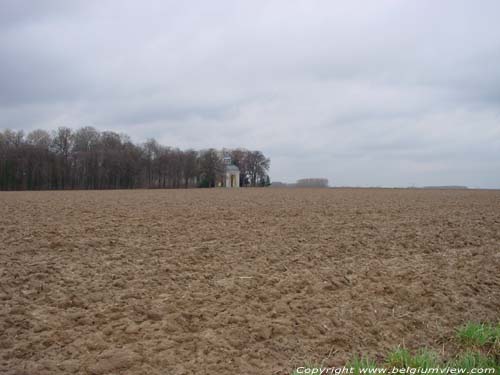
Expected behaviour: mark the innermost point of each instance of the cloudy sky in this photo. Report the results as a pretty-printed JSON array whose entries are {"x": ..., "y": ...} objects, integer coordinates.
[{"x": 365, "y": 93}]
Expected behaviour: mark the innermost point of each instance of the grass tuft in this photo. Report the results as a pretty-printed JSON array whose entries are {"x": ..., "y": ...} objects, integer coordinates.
[
  {"x": 425, "y": 359},
  {"x": 402, "y": 358},
  {"x": 471, "y": 359},
  {"x": 481, "y": 350},
  {"x": 479, "y": 335},
  {"x": 358, "y": 363},
  {"x": 399, "y": 357}
]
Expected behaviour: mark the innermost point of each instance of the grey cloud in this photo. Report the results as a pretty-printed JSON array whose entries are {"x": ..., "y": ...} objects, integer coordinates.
[
  {"x": 16, "y": 14},
  {"x": 382, "y": 93}
]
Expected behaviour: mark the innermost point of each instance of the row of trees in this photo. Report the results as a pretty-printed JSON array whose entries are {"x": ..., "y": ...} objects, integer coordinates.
[
  {"x": 89, "y": 159},
  {"x": 304, "y": 183},
  {"x": 312, "y": 182}
]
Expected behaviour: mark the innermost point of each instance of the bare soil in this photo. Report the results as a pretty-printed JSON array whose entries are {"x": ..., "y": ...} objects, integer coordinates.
[{"x": 248, "y": 281}]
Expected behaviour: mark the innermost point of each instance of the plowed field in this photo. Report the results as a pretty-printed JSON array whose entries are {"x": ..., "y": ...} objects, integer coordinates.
[{"x": 248, "y": 281}]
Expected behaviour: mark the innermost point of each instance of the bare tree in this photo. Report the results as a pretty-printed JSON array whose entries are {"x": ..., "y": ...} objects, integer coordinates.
[
  {"x": 38, "y": 158},
  {"x": 312, "y": 182},
  {"x": 85, "y": 152},
  {"x": 257, "y": 165},
  {"x": 190, "y": 167},
  {"x": 151, "y": 151},
  {"x": 89, "y": 159},
  {"x": 62, "y": 146},
  {"x": 39, "y": 138},
  {"x": 211, "y": 167}
]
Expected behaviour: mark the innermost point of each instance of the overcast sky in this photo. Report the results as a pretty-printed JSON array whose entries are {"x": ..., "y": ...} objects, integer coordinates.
[{"x": 365, "y": 93}]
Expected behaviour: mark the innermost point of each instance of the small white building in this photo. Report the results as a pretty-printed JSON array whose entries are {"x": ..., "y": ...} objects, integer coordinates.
[{"x": 231, "y": 177}]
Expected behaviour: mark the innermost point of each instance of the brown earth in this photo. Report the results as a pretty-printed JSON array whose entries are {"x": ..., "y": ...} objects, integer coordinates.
[{"x": 249, "y": 281}]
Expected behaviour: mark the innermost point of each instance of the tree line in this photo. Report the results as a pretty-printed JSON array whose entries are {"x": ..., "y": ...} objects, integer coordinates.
[
  {"x": 89, "y": 159},
  {"x": 304, "y": 183}
]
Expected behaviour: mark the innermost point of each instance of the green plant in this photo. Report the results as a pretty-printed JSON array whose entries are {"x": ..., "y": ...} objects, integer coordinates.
[
  {"x": 481, "y": 335},
  {"x": 481, "y": 340},
  {"x": 358, "y": 363},
  {"x": 471, "y": 359},
  {"x": 425, "y": 359},
  {"x": 399, "y": 357}
]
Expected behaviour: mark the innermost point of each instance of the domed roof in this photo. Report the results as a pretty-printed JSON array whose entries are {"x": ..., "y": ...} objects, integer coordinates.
[{"x": 232, "y": 168}]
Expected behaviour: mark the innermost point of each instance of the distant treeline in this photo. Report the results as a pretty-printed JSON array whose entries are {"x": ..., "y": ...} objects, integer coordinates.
[
  {"x": 446, "y": 187},
  {"x": 305, "y": 182},
  {"x": 89, "y": 159}
]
